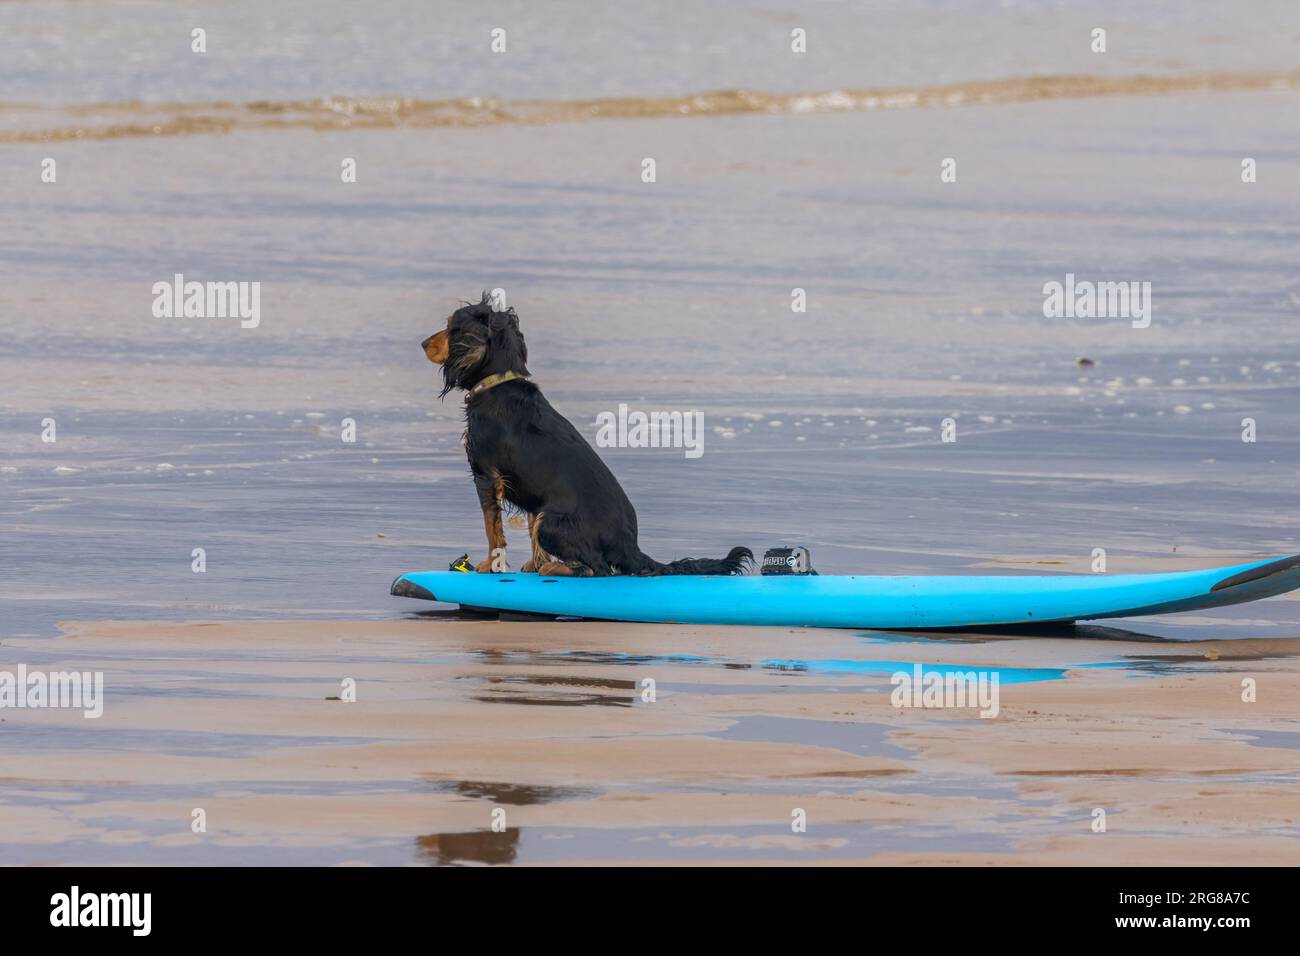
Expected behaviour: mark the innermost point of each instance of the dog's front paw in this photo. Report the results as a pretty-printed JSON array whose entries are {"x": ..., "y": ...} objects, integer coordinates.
[
  {"x": 529, "y": 567},
  {"x": 484, "y": 567}
]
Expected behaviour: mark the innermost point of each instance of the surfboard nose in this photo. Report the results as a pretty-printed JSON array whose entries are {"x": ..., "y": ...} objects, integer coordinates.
[
  {"x": 1268, "y": 570},
  {"x": 404, "y": 587}
]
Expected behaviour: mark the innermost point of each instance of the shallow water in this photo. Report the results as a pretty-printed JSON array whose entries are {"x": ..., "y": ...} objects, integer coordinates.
[
  {"x": 292, "y": 525},
  {"x": 1004, "y": 675},
  {"x": 821, "y": 429},
  {"x": 67, "y": 52}
]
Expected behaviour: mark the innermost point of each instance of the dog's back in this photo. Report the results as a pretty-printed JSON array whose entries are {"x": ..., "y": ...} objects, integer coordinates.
[{"x": 547, "y": 468}]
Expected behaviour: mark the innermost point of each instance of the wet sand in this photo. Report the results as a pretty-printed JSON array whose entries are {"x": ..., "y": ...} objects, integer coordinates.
[{"x": 457, "y": 718}]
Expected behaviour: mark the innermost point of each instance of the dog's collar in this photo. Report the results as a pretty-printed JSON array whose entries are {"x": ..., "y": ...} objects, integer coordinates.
[{"x": 490, "y": 382}]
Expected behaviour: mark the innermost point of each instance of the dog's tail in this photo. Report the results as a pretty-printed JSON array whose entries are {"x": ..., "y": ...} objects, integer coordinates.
[{"x": 737, "y": 561}]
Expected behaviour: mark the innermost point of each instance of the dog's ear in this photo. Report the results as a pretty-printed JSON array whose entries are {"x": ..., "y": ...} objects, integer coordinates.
[
  {"x": 503, "y": 328},
  {"x": 501, "y": 322}
]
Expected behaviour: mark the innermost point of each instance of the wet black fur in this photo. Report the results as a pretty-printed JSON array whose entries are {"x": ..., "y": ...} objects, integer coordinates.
[{"x": 547, "y": 467}]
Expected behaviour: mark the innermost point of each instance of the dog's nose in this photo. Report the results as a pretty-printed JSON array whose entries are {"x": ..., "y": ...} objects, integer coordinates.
[{"x": 425, "y": 343}]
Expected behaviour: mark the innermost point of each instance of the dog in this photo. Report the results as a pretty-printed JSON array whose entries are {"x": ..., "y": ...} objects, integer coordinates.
[{"x": 526, "y": 455}]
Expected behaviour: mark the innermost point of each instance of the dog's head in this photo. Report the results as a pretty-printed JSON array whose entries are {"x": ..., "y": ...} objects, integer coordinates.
[{"x": 477, "y": 342}]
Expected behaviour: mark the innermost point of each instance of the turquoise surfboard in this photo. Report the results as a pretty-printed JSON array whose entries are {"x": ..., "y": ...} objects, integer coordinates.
[{"x": 880, "y": 602}]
